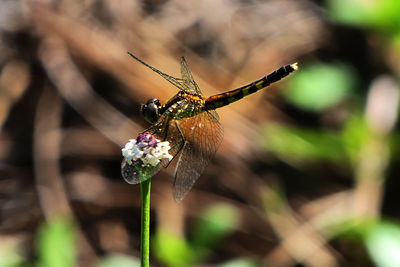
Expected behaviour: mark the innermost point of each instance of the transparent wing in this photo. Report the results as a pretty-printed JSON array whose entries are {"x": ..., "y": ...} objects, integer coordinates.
[
  {"x": 131, "y": 173},
  {"x": 166, "y": 130},
  {"x": 175, "y": 81},
  {"x": 187, "y": 79},
  {"x": 203, "y": 135},
  {"x": 197, "y": 137}
]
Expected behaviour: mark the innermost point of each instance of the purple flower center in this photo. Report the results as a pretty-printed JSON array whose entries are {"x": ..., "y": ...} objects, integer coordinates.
[{"x": 147, "y": 139}]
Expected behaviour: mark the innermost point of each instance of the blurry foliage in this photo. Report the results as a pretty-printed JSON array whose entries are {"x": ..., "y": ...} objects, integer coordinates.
[
  {"x": 171, "y": 249},
  {"x": 296, "y": 144},
  {"x": 381, "y": 238},
  {"x": 234, "y": 36},
  {"x": 56, "y": 244},
  {"x": 383, "y": 243},
  {"x": 319, "y": 86},
  {"x": 382, "y": 15},
  {"x": 354, "y": 135},
  {"x": 215, "y": 223},
  {"x": 302, "y": 145}
]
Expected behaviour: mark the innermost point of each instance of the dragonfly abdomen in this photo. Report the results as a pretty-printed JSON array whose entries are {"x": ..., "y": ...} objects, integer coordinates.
[{"x": 223, "y": 99}]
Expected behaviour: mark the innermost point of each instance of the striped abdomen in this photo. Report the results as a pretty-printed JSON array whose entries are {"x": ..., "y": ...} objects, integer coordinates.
[{"x": 220, "y": 100}]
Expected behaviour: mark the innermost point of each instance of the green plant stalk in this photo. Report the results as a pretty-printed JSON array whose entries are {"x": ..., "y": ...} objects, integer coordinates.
[{"x": 145, "y": 223}]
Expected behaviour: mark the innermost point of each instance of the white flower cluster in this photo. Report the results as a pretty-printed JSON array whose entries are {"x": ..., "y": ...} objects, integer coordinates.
[{"x": 149, "y": 154}]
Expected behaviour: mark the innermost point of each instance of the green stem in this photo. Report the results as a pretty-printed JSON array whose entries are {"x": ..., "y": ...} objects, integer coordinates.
[{"x": 145, "y": 222}]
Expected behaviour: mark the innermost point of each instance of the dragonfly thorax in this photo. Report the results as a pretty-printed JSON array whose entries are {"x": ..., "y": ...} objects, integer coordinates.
[
  {"x": 184, "y": 105},
  {"x": 151, "y": 110}
]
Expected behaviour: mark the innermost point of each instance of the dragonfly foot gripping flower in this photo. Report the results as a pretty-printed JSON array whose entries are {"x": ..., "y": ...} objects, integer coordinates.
[{"x": 142, "y": 157}]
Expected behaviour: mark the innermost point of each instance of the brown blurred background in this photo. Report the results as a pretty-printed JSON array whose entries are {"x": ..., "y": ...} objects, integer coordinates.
[{"x": 284, "y": 184}]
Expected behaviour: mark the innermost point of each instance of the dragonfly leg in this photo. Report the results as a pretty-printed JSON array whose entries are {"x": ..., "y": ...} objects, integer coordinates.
[
  {"x": 182, "y": 143},
  {"x": 180, "y": 132},
  {"x": 166, "y": 130}
]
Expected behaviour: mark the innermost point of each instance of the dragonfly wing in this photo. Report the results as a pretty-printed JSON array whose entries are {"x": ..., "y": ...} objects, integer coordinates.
[
  {"x": 203, "y": 135},
  {"x": 175, "y": 81},
  {"x": 166, "y": 130},
  {"x": 131, "y": 173},
  {"x": 187, "y": 78}
]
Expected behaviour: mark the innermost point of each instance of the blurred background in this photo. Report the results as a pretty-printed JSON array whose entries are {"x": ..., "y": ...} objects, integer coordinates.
[{"x": 307, "y": 173}]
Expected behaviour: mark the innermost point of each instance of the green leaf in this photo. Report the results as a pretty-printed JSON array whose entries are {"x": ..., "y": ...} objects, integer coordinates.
[
  {"x": 385, "y": 15},
  {"x": 56, "y": 244},
  {"x": 348, "y": 12},
  {"x": 172, "y": 250},
  {"x": 383, "y": 244},
  {"x": 381, "y": 15},
  {"x": 216, "y": 222},
  {"x": 320, "y": 86},
  {"x": 382, "y": 238},
  {"x": 299, "y": 145},
  {"x": 354, "y": 135}
]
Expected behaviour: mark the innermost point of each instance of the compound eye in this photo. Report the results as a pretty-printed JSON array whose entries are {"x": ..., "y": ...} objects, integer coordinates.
[{"x": 150, "y": 110}]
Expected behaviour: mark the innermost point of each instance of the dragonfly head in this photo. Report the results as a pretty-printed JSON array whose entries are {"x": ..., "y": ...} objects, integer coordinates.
[{"x": 150, "y": 110}]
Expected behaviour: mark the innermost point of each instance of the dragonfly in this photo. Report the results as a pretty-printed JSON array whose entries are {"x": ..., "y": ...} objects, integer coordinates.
[{"x": 190, "y": 123}]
